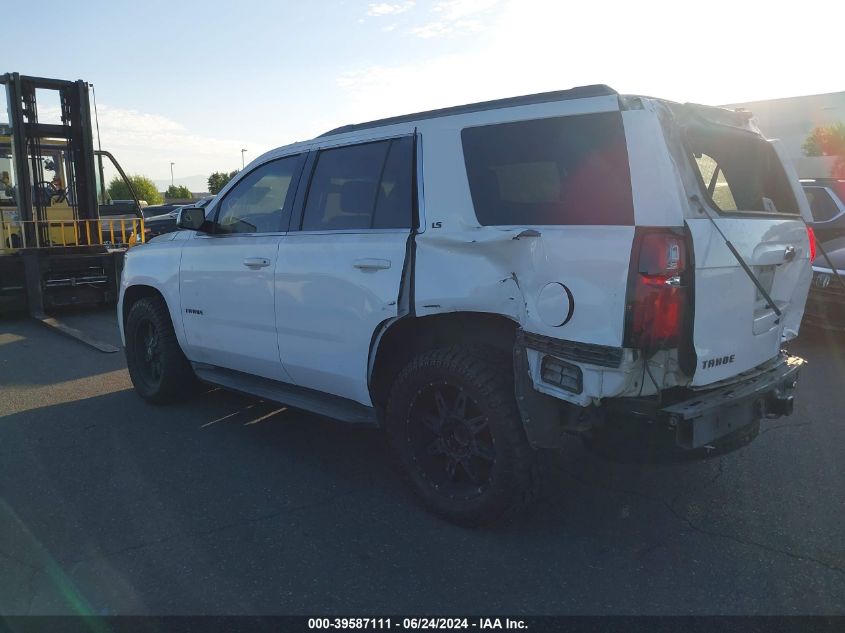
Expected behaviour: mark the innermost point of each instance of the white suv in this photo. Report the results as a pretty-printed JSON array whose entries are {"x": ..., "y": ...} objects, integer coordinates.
[{"x": 483, "y": 280}]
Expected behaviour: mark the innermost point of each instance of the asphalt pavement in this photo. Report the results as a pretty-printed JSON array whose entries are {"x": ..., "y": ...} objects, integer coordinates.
[{"x": 225, "y": 504}]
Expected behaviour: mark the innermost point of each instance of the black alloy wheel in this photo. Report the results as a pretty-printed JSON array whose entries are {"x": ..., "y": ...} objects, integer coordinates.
[
  {"x": 453, "y": 423},
  {"x": 150, "y": 361},
  {"x": 158, "y": 368},
  {"x": 450, "y": 440}
]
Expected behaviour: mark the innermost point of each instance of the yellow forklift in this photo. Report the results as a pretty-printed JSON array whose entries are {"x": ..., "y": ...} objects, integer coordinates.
[{"x": 62, "y": 239}]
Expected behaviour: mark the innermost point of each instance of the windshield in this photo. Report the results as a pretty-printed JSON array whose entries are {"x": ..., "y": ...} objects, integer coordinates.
[{"x": 739, "y": 171}]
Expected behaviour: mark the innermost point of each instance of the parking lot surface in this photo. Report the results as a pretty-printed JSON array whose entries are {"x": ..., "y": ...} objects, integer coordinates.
[{"x": 225, "y": 504}]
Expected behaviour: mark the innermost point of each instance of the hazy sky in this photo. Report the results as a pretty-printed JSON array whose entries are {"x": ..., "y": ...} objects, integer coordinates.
[{"x": 194, "y": 82}]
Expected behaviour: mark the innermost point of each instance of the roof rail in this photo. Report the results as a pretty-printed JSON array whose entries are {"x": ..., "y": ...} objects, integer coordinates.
[{"x": 582, "y": 92}]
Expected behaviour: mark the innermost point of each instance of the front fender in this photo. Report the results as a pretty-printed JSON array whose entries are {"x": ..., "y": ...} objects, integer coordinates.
[{"x": 154, "y": 266}]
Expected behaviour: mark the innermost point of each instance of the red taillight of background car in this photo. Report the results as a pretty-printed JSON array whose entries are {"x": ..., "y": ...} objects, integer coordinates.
[
  {"x": 657, "y": 299},
  {"x": 811, "y": 234}
]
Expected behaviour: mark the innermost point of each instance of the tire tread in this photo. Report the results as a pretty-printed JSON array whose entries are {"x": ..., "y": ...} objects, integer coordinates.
[
  {"x": 491, "y": 371},
  {"x": 178, "y": 377}
]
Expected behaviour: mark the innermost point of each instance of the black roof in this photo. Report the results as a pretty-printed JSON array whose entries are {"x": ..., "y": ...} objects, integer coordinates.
[{"x": 582, "y": 92}]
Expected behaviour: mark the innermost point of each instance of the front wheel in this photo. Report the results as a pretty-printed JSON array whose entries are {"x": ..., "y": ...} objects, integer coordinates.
[
  {"x": 158, "y": 368},
  {"x": 453, "y": 422}
]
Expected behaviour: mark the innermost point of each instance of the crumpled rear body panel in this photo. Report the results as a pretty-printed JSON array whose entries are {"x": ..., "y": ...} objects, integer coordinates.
[{"x": 522, "y": 272}]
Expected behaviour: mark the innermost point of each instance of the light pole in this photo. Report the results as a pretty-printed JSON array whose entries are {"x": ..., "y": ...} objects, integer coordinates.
[
  {"x": 171, "y": 174},
  {"x": 242, "y": 158}
]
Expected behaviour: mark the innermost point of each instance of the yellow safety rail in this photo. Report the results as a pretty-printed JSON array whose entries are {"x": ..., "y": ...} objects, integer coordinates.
[{"x": 112, "y": 232}]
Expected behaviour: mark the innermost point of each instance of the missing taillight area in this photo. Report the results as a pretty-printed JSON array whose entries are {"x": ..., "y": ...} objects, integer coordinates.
[{"x": 657, "y": 295}]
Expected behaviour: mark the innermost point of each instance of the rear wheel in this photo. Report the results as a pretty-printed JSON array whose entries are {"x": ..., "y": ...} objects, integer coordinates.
[
  {"x": 158, "y": 368},
  {"x": 453, "y": 422}
]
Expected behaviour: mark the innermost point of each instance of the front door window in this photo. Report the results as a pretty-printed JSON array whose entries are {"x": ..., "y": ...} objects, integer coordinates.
[{"x": 259, "y": 201}]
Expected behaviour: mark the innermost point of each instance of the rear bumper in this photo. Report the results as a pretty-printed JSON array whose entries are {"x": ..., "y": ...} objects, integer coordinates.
[{"x": 713, "y": 415}]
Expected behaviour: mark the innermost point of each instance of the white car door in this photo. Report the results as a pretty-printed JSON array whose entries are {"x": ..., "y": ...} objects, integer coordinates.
[
  {"x": 339, "y": 273},
  {"x": 226, "y": 275}
]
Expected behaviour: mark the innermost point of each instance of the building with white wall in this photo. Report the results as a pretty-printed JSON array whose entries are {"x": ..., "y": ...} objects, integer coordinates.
[{"x": 792, "y": 119}]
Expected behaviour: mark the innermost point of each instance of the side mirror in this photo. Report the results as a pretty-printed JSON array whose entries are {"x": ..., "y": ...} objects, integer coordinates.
[{"x": 191, "y": 218}]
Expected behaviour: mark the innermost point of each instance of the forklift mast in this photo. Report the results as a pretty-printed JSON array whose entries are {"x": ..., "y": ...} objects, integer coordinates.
[
  {"x": 62, "y": 240},
  {"x": 27, "y": 135}
]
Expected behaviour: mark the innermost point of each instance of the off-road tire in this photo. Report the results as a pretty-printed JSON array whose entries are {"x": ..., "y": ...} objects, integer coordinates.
[
  {"x": 485, "y": 376},
  {"x": 175, "y": 378}
]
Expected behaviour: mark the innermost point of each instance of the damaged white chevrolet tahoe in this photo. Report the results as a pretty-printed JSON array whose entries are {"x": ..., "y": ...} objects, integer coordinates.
[{"x": 484, "y": 280}]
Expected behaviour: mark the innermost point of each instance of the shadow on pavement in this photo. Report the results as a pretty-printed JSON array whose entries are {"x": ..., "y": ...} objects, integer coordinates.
[
  {"x": 226, "y": 504},
  {"x": 31, "y": 354}
]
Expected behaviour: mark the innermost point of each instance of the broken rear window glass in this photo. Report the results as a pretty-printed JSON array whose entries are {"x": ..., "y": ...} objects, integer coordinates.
[{"x": 740, "y": 171}]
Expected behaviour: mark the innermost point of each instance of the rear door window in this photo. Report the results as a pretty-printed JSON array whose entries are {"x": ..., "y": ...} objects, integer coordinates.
[
  {"x": 394, "y": 201},
  {"x": 361, "y": 187},
  {"x": 561, "y": 170}
]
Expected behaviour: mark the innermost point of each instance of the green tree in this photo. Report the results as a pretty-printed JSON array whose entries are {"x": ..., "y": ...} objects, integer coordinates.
[
  {"x": 145, "y": 189},
  {"x": 180, "y": 192},
  {"x": 826, "y": 140},
  {"x": 218, "y": 180}
]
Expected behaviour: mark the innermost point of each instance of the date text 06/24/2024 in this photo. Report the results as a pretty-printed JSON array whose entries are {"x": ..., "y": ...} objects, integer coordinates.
[{"x": 415, "y": 623}]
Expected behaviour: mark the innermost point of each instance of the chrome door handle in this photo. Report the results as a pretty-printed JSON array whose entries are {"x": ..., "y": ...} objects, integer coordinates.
[
  {"x": 371, "y": 263},
  {"x": 256, "y": 262}
]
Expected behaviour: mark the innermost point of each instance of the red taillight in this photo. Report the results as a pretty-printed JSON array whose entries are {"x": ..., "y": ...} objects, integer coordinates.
[
  {"x": 657, "y": 299},
  {"x": 811, "y": 234}
]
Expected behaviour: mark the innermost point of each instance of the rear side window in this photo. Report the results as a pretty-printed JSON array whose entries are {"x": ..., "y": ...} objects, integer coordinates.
[
  {"x": 821, "y": 204},
  {"x": 562, "y": 170},
  {"x": 362, "y": 187}
]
